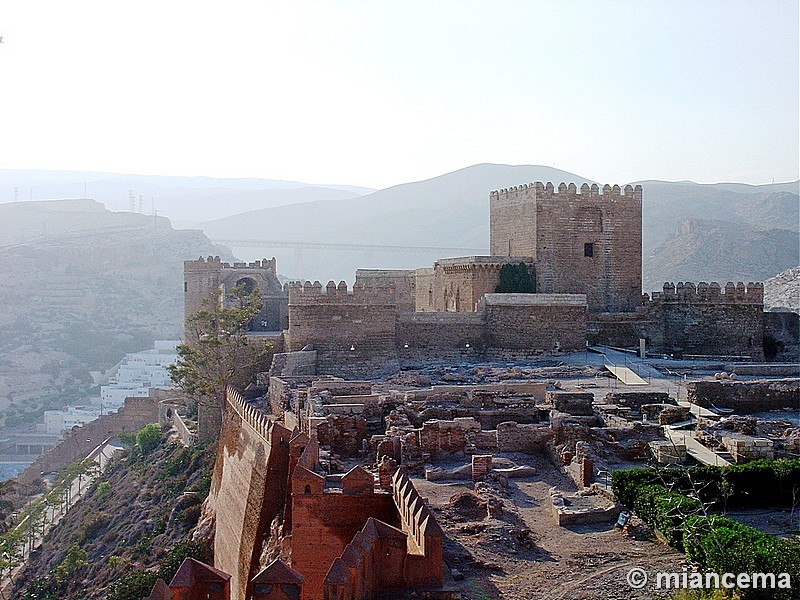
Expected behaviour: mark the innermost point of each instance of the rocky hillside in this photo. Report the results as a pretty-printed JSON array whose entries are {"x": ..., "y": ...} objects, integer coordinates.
[
  {"x": 79, "y": 287},
  {"x": 703, "y": 250},
  {"x": 135, "y": 524},
  {"x": 782, "y": 292}
]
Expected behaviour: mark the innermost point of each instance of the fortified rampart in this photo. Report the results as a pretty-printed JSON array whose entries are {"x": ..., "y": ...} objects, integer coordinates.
[
  {"x": 353, "y": 332},
  {"x": 131, "y": 417},
  {"x": 325, "y": 521},
  {"x": 248, "y": 488},
  {"x": 581, "y": 243},
  {"x": 403, "y": 281},
  {"x": 690, "y": 320},
  {"x": 358, "y": 333},
  {"x": 707, "y": 320},
  {"x": 550, "y": 323}
]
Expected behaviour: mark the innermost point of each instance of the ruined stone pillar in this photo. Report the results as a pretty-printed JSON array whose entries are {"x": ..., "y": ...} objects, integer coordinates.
[{"x": 481, "y": 465}]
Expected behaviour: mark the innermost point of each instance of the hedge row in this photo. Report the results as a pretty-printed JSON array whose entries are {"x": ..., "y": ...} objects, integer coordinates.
[
  {"x": 758, "y": 484},
  {"x": 721, "y": 545},
  {"x": 714, "y": 542},
  {"x": 665, "y": 511}
]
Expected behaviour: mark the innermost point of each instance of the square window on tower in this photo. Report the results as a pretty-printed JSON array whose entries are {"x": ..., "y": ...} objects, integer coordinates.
[{"x": 588, "y": 249}]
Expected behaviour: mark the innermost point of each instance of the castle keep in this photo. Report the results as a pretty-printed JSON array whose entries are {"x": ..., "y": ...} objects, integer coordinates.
[{"x": 579, "y": 243}]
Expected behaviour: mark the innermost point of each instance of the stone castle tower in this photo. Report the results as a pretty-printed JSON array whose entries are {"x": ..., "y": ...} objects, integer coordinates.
[
  {"x": 210, "y": 280},
  {"x": 587, "y": 242}
]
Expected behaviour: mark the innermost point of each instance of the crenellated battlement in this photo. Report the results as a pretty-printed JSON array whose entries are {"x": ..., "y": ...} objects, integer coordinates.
[
  {"x": 709, "y": 293},
  {"x": 416, "y": 518},
  {"x": 215, "y": 263},
  {"x": 310, "y": 293},
  {"x": 569, "y": 191},
  {"x": 212, "y": 263},
  {"x": 260, "y": 423}
]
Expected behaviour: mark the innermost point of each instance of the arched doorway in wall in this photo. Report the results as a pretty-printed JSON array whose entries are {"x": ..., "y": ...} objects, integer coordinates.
[{"x": 248, "y": 284}]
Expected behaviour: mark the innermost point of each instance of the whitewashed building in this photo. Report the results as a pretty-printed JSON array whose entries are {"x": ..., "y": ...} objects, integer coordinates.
[{"x": 137, "y": 373}]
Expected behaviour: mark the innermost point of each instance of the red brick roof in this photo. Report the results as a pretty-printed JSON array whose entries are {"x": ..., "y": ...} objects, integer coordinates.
[
  {"x": 160, "y": 591},
  {"x": 278, "y": 572},
  {"x": 193, "y": 571}
]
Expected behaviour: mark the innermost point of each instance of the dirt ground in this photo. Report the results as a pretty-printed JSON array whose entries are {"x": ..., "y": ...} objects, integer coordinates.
[{"x": 522, "y": 554}]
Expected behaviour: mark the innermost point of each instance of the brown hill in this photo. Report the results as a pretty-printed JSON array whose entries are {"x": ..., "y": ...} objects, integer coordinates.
[{"x": 702, "y": 250}]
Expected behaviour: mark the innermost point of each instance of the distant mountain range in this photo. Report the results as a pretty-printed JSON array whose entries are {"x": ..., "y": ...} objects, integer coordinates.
[
  {"x": 690, "y": 230},
  {"x": 755, "y": 235},
  {"x": 185, "y": 200}
]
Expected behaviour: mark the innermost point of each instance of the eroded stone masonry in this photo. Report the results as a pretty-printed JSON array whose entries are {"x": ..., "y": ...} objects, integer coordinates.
[{"x": 421, "y": 406}]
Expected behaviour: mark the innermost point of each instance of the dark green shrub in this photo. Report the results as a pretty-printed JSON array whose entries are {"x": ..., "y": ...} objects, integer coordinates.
[
  {"x": 515, "y": 279},
  {"x": 133, "y": 586},
  {"x": 757, "y": 484},
  {"x": 181, "y": 551},
  {"x": 148, "y": 438},
  {"x": 722, "y": 545}
]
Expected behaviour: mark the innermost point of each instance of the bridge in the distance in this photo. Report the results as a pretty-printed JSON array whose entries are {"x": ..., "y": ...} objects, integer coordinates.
[
  {"x": 364, "y": 247},
  {"x": 368, "y": 249}
]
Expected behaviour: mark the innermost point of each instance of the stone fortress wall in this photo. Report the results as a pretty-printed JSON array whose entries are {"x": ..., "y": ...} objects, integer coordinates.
[
  {"x": 358, "y": 332},
  {"x": 690, "y": 320},
  {"x": 252, "y": 451},
  {"x": 582, "y": 247}
]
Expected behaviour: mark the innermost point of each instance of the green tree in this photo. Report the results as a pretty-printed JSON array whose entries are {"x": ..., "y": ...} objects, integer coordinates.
[
  {"x": 75, "y": 559},
  {"x": 515, "y": 279},
  {"x": 148, "y": 438},
  {"x": 217, "y": 352}
]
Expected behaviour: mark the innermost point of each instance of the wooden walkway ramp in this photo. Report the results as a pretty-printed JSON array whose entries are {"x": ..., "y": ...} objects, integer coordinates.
[
  {"x": 625, "y": 375},
  {"x": 695, "y": 449}
]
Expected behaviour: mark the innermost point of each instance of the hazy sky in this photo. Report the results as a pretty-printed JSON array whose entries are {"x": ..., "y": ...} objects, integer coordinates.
[{"x": 377, "y": 93}]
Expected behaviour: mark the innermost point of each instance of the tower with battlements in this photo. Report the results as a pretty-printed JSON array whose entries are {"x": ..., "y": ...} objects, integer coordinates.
[
  {"x": 581, "y": 242},
  {"x": 208, "y": 281}
]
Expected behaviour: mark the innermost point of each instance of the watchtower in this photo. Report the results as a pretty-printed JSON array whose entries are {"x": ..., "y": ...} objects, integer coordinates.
[{"x": 587, "y": 242}]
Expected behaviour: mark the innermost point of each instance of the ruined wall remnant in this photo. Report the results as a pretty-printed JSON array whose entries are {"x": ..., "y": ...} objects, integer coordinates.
[
  {"x": 746, "y": 397},
  {"x": 744, "y": 448},
  {"x": 584, "y": 242},
  {"x": 635, "y": 400},
  {"x": 77, "y": 443},
  {"x": 572, "y": 403},
  {"x": 291, "y": 364}
]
